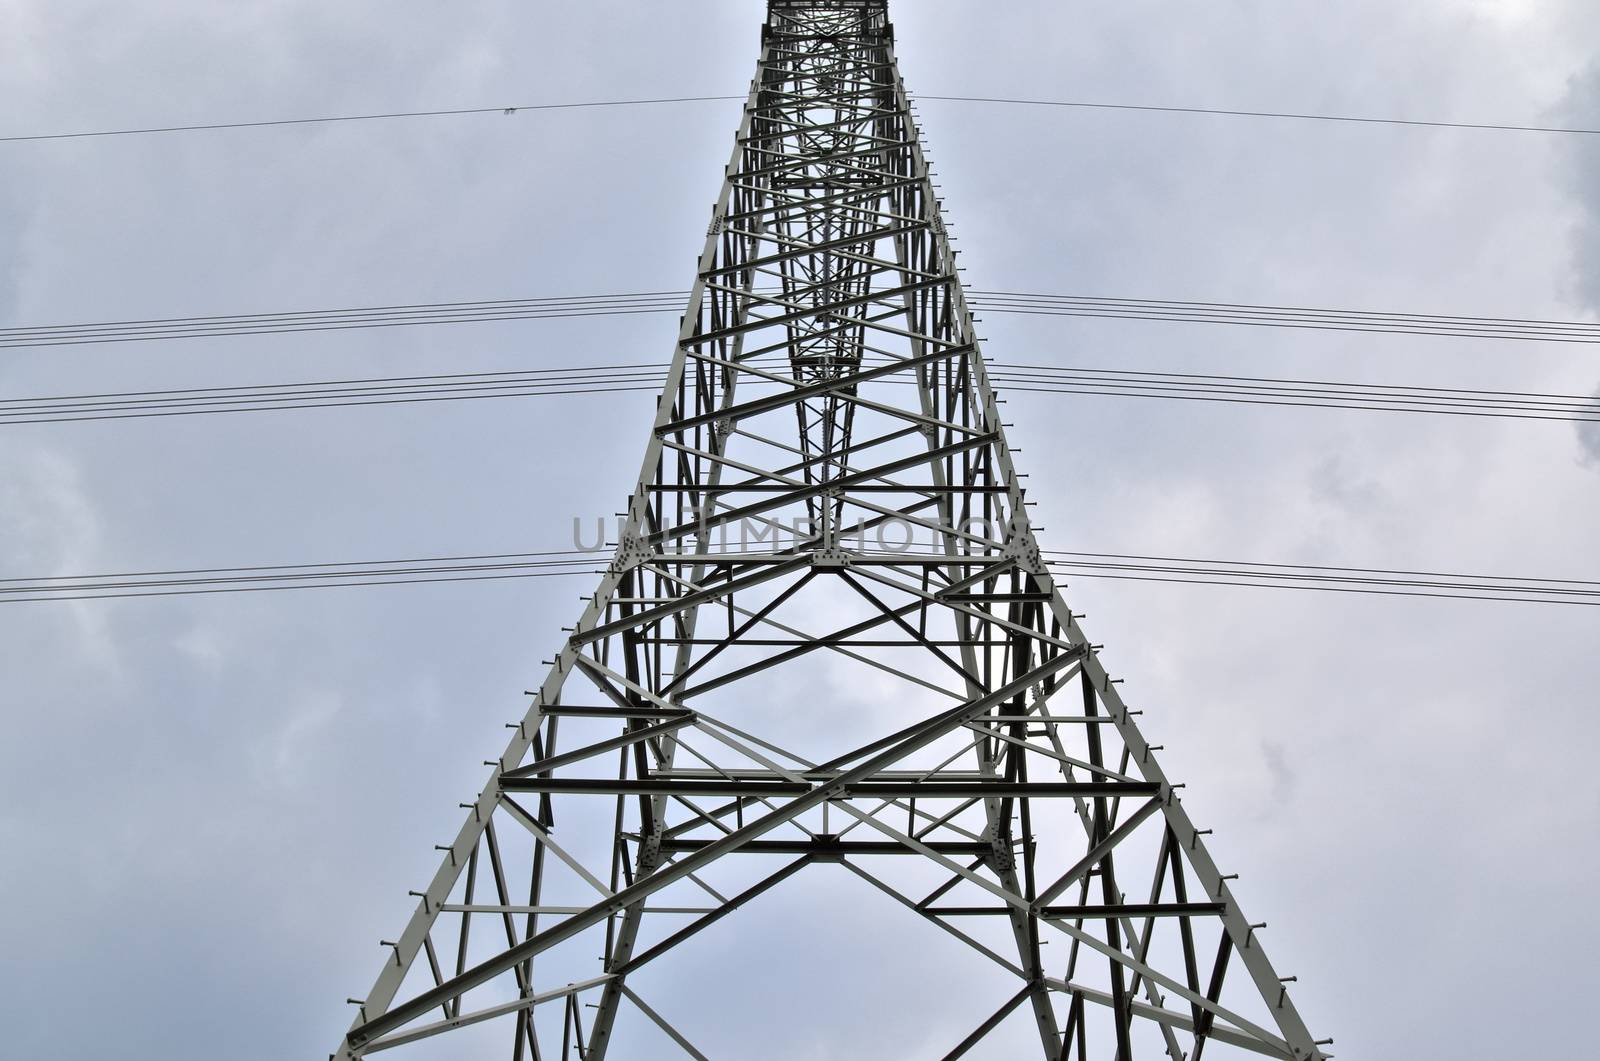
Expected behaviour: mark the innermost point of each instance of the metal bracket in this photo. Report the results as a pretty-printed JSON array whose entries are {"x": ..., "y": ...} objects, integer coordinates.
[
  {"x": 1022, "y": 547},
  {"x": 631, "y": 552},
  {"x": 831, "y": 557}
]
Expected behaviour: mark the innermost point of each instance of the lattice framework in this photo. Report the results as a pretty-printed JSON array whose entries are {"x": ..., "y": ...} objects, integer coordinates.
[{"x": 827, "y": 399}]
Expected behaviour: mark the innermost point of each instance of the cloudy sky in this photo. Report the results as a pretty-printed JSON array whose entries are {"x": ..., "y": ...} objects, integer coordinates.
[{"x": 211, "y": 808}]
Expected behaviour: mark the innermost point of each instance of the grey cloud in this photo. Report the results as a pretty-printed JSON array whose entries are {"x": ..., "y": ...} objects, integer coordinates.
[
  {"x": 259, "y": 781},
  {"x": 1347, "y": 488},
  {"x": 1589, "y": 438},
  {"x": 1581, "y": 107}
]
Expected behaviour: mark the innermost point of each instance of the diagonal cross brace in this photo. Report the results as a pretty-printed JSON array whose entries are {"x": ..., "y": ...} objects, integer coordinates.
[
  {"x": 923, "y": 735},
  {"x": 800, "y": 394}
]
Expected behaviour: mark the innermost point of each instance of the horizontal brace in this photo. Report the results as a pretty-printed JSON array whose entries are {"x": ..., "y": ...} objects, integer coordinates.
[
  {"x": 819, "y": 775},
  {"x": 1079, "y": 720},
  {"x": 860, "y": 790},
  {"x": 994, "y": 597},
  {"x": 652, "y": 787},
  {"x": 644, "y": 711},
  {"x": 1001, "y": 789},
  {"x": 1074, "y": 913},
  {"x": 488, "y": 908},
  {"x": 864, "y": 488},
  {"x": 853, "y": 642},
  {"x": 823, "y": 848},
  {"x": 885, "y": 559}
]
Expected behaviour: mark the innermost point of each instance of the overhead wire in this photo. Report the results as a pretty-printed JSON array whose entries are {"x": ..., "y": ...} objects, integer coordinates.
[
  {"x": 1307, "y": 116},
  {"x": 1320, "y": 394},
  {"x": 554, "y": 563},
  {"x": 1295, "y": 317},
  {"x": 571, "y": 380},
  {"x": 992, "y": 100},
  {"x": 1323, "y": 578},
  {"x": 578, "y": 380},
  {"x": 283, "y": 322},
  {"x": 385, "y": 116},
  {"x": 494, "y": 310}
]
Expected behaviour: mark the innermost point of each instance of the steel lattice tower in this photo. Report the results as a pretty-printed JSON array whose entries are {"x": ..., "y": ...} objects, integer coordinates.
[{"x": 826, "y": 401}]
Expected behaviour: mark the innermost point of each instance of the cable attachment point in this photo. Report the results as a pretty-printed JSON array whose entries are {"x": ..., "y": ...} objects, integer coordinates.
[
  {"x": 631, "y": 552},
  {"x": 830, "y": 556},
  {"x": 1021, "y": 547}
]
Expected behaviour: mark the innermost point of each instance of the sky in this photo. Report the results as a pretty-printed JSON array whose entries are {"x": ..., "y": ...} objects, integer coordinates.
[{"x": 212, "y": 806}]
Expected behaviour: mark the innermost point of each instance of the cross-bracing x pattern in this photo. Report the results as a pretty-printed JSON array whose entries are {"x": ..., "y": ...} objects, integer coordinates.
[{"x": 827, "y": 510}]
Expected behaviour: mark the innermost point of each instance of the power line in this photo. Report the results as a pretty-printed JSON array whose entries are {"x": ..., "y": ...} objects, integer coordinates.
[
  {"x": 993, "y": 100},
  {"x": 453, "y": 112},
  {"x": 1322, "y": 577},
  {"x": 1322, "y": 589},
  {"x": 1296, "y": 116},
  {"x": 648, "y": 377},
  {"x": 271, "y": 577},
  {"x": 1319, "y": 394},
  {"x": 555, "y": 563},
  {"x": 1298, "y": 317},
  {"x": 396, "y": 390},
  {"x": 1243, "y": 564},
  {"x": 278, "y": 323},
  {"x": 495, "y": 310}
]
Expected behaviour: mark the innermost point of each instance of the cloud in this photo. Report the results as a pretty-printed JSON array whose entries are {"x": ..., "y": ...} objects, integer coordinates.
[
  {"x": 50, "y": 522},
  {"x": 1581, "y": 107},
  {"x": 52, "y": 526},
  {"x": 1589, "y": 438},
  {"x": 1345, "y": 487},
  {"x": 1582, "y": 154},
  {"x": 269, "y": 772},
  {"x": 285, "y": 756}
]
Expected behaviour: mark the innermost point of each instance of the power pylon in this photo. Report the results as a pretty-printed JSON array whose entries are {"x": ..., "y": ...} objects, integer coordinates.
[{"x": 828, "y": 526}]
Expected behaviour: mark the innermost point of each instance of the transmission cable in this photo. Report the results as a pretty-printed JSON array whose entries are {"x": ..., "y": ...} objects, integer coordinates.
[
  {"x": 1291, "y": 115},
  {"x": 453, "y": 112},
  {"x": 556, "y": 563},
  {"x": 991, "y": 100},
  {"x": 403, "y": 315},
  {"x": 1008, "y": 377}
]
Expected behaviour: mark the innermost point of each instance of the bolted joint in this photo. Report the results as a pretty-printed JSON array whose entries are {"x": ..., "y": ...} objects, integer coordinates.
[
  {"x": 1021, "y": 546},
  {"x": 831, "y": 558},
  {"x": 632, "y": 551}
]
